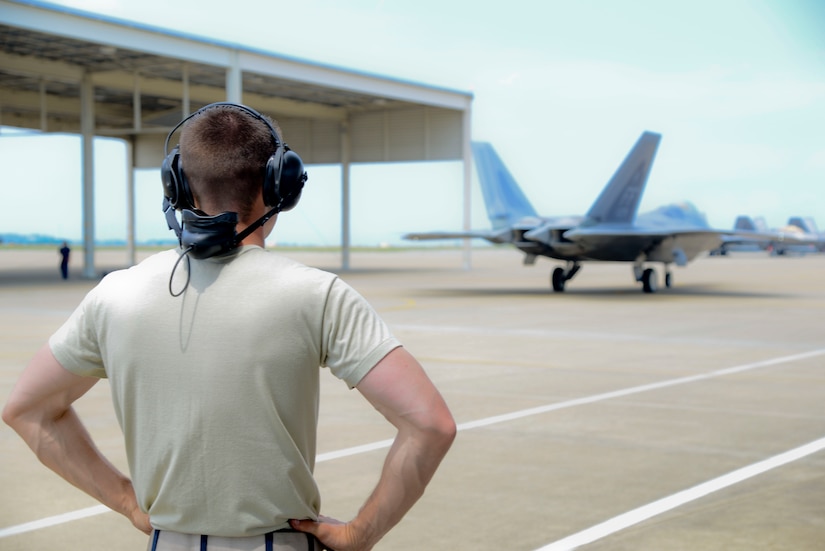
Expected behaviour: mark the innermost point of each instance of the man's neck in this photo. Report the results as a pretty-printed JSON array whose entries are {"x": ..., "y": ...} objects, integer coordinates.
[{"x": 254, "y": 238}]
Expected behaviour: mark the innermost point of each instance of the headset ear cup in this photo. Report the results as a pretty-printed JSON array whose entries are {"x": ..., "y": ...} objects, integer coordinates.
[
  {"x": 168, "y": 175},
  {"x": 175, "y": 187},
  {"x": 292, "y": 180},
  {"x": 272, "y": 179}
]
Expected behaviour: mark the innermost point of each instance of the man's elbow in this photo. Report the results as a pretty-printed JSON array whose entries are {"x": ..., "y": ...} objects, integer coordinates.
[
  {"x": 11, "y": 415},
  {"x": 19, "y": 412},
  {"x": 449, "y": 434},
  {"x": 443, "y": 431}
]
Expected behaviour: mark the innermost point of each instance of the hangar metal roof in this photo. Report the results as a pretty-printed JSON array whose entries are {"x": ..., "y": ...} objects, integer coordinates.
[
  {"x": 46, "y": 50},
  {"x": 144, "y": 79}
]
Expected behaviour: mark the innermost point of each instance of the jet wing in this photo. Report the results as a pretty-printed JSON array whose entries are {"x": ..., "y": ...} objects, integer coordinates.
[
  {"x": 602, "y": 233},
  {"x": 658, "y": 244},
  {"x": 795, "y": 238},
  {"x": 425, "y": 236},
  {"x": 629, "y": 243},
  {"x": 497, "y": 236},
  {"x": 748, "y": 237}
]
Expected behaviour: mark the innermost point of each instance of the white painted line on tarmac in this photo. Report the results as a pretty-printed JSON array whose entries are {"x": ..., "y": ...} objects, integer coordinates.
[
  {"x": 636, "y": 390},
  {"x": 663, "y": 505},
  {"x": 512, "y": 416},
  {"x": 53, "y": 521},
  {"x": 365, "y": 448},
  {"x": 355, "y": 450},
  {"x": 549, "y": 333}
]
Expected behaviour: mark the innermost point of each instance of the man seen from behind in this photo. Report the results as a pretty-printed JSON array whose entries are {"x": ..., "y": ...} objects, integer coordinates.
[{"x": 212, "y": 351}]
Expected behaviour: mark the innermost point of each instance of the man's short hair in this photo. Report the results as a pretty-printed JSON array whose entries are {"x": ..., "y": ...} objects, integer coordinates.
[{"x": 223, "y": 153}]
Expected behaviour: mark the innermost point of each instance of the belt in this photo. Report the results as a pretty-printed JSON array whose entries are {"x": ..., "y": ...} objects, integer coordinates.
[{"x": 278, "y": 540}]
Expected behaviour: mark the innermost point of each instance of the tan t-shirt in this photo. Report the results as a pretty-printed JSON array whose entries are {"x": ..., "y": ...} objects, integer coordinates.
[{"x": 217, "y": 390}]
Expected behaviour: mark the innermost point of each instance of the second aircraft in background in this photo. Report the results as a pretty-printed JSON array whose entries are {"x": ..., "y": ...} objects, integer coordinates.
[{"x": 800, "y": 236}]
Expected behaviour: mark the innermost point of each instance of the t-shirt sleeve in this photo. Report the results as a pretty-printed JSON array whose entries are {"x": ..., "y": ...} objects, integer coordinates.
[
  {"x": 75, "y": 345},
  {"x": 356, "y": 338}
]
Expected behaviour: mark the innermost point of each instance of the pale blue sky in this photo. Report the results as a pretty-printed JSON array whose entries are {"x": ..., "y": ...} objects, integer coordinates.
[{"x": 562, "y": 90}]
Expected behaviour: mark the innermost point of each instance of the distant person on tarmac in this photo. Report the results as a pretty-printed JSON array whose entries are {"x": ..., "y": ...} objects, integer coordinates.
[{"x": 64, "y": 262}]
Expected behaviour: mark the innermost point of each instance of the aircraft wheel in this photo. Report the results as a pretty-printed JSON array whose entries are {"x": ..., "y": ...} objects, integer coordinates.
[
  {"x": 649, "y": 280},
  {"x": 558, "y": 280},
  {"x": 668, "y": 280}
]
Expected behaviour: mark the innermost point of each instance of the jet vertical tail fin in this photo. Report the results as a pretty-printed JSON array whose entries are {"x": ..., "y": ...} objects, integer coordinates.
[
  {"x": 747, "y": 223},
  {"x": 806, "y": 224},
  {"x": 505, "y": 201},
  {"x": 620, "y": 198},
  {"x": 744, "y": 223}
]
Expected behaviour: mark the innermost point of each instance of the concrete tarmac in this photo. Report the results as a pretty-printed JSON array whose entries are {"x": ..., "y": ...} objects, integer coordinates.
[{"x": 599, "y": 419}]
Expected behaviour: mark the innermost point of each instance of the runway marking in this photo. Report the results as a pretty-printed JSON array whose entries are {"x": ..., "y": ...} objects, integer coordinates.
[
  {"x": 637, "y": 389},
  {"x": 663, "y": 505},
  {"x": 53, "y": 521},
  {"x": 568, "y": 334},
  {"x": 365, "y": 448},
  {"x": 355, "y": 450}
]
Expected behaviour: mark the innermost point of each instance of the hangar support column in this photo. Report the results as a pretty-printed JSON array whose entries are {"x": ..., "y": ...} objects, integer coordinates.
[
  {"x": 234, "y": 79},
  {"x": 137, "y": 124},
  {"x": 131, "y": 251},
  {"x": 87, "y": 128},
  {"x": 467, "y": 154},
  {"x": 345, "y": 202}
]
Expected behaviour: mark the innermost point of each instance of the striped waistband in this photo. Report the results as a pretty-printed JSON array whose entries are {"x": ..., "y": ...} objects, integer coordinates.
[{"x": 279, "y": 540}]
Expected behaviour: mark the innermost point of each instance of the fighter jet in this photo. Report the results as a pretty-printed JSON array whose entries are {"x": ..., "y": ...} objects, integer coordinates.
[
  {"x": 746, "y": 223},
  {"x": 610, "y": 231},
  {"x": 799, "y": 235}
]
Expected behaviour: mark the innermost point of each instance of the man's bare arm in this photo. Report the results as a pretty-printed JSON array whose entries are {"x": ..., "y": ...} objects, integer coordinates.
[
  {"x": 40, "y": 410},
  {"x": 399, "y": 388}
]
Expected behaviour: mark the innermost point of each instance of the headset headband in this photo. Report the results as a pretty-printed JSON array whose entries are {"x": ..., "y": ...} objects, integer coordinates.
[{"x": 239, "y": 106}]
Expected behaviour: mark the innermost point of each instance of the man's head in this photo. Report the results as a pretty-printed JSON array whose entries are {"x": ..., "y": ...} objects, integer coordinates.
[
  {"x": 224, "y": 150},
  {"x": 232, "y": 165}
]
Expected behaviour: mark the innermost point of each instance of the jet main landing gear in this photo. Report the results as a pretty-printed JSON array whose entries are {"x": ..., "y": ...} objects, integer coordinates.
[
  {"x": 561, "y": 275},
  {"x": 650, "y": 283}
]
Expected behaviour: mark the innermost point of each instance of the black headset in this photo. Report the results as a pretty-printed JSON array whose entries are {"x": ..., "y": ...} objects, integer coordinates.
[
  {"x": 203, "y": 235},
  {"x": 283, "y": 182}
]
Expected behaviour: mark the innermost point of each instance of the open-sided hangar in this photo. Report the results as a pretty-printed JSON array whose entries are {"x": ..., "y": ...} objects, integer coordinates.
[{"x": 70, "y": 71}]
